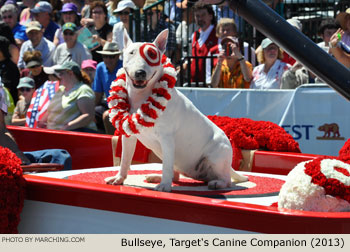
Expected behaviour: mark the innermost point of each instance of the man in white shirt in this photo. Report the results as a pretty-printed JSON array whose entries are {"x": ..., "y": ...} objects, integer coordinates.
[
  {"x": 71, "y": 49},
  {"x": 37, "y": 42}
]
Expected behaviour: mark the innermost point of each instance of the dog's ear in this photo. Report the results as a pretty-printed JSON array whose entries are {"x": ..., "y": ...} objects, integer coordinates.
[
  {"x": 127, "y": 39},
  {"x": 161, "y": 40}
]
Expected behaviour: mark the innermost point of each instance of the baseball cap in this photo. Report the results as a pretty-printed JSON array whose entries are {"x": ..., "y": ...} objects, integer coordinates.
[
  {"x": 69, "y": 26},
  {"x": 68, "y": 65},
  {"x": 122, "y": 5},
  {"x": 26, "y": 82},
  {"x": 42, "y": 6},
  {"x": 68, "y": 7},
  {"x": 266, "y": 42},
  {"x": 33, "y": 25},
  {"x": 88, "y": 63}
]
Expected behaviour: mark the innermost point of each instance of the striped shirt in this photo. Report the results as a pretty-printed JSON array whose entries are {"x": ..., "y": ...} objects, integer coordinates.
[{"x": 63, "y": 107}]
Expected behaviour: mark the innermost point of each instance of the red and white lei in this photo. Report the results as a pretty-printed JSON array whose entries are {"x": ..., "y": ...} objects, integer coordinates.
[{"x": 131, "y": 124}]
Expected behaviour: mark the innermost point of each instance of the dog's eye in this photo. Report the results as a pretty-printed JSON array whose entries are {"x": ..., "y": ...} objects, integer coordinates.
[{"x": 132, "y": 52}]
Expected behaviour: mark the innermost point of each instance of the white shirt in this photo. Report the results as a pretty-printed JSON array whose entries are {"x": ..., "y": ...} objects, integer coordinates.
[{"x": 270, "y": 80}]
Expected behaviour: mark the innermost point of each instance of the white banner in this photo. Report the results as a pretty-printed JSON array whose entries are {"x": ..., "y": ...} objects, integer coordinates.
[{"x": 315, "y": 115}]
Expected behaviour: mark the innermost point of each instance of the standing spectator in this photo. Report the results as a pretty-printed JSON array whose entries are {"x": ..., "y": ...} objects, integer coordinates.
[
  {"x": 203, "y": 39},
  {"x": 26, "y": 88},
  {"x": 155, "y": 24},
  {"x": 226, "y": 27},
  {"x": 89, "y": 67},
  {"x": 42, "y": 14},
  {"x": 232, "y": 70},
  {"x": 268, "y": 74},
  {"x": 123, "y": 11},
  {"x": 5, "y": 31},
  {"x": 26, "y": 16},
  {"x": 106, "y": 72},
  {"x": 9, "y": 73},
  {"x": 72, "y": 107},
  {"x": 37, "y": 42},
  {"x": 327, "y": 28},
  {"x": 71, "y": 49},
  {"x": 34, "y": 68},
  {"x": 102, "y": 30},
  {"x": 69, "y": 13},
  {"x": 9, "y": 13}
]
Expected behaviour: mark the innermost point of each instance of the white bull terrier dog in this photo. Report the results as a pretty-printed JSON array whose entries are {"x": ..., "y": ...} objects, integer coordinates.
[{"x": 145, "y": 105}]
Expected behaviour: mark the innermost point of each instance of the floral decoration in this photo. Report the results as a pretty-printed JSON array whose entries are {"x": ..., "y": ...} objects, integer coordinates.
[{"x": 12, "y": 186}]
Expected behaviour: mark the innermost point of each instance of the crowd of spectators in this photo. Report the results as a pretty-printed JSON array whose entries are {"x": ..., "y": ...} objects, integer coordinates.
[{"x": 79, "y": 45}]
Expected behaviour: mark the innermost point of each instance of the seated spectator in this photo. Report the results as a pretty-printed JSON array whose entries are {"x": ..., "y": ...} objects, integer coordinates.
[
  {"x": 106, "y": 72},
  {"x": 6, "y": 139},
  {"x": 9, "y": 13},
  {"x": 268, "y": 74},
  {"x": 327, "y": 28},
  {"x": 296, "y": 76},
  {"x": 89, "y": 67},
  {"x": 231, "y": 70},
  {"x": 34, "y": 68},
  {"x": 72, "y": 107},
  {"x": 69, "y": 14},
  {"x": 344, "y": 20},
  {"x": 123, "y": 10},
  {"x": 336, "y": 50},
  {"x": 37, "y": 42},
  {"x": 26, "y": 16},
  {"x": 102, "y": 30},
  {"x": 71, "y": 49},
  {"x": 6, "y": 31},
  {"x": 42, "y": 14},
  {"x": 9, "y": 73},
  {"x": 26, "y": 89},
  {"x": 155, "y": 24},
  {"x": 226, "y": 27}
]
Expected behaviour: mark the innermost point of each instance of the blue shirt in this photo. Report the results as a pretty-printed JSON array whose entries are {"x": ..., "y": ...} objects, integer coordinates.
[
  {"x": 104, "y": 78},
  {"x": 19, "y": 32},
  {"x": 50, "y": 30}
]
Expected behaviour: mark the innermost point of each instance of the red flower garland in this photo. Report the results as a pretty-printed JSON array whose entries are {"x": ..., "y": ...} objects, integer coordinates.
[
  {"x": 344, "y": 152},
  {"x": 245, "y": 133},
  {"x": 11, "y": 191}
]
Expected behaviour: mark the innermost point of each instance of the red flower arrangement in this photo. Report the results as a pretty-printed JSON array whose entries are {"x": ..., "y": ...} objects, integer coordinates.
[
  {"x": 11, "y": 191},
  {"x": 344, "y": 152},
  {"x": 248, "y": 134}
]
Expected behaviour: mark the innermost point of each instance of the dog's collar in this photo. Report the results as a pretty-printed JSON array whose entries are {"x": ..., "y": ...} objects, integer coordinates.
[{"x": 131, "y": 124}]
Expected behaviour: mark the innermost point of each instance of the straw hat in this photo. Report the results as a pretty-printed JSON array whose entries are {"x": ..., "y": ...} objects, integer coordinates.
[{"x": 110, "y": 48}]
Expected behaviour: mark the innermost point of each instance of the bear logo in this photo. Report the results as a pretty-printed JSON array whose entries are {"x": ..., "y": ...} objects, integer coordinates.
[{"x": 331, "y": 132}]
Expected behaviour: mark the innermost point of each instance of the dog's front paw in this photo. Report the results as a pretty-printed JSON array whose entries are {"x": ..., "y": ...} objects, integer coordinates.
[
  {"x": 115, "y": 180},
  {"x": 162, "y": 187}
]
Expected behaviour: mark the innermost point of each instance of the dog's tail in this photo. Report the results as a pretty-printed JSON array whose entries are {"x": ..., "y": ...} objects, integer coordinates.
[{"x": 238, "y": 177}]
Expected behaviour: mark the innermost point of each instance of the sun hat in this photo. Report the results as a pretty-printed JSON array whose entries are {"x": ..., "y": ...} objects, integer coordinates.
[
  {"x": 42, "y": 6},
  {"x": 33, "y": 25},
  {"x": 110, "y": 48},
  {"x": 341, "y": 18},
  {"x": 295, "y": 23},
  {"x": 68, "y": 65},
  {"x": 88, "y": 63},
  {"x": 68, "y": 7},
  {"x": 266, "y": 42},
  {"x": 69, "y": 26},
  {"x": 26, "y": 82},
  {"x": 122, "y": 5}
]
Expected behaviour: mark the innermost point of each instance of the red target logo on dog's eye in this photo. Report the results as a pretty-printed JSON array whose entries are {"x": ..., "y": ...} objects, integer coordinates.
[{"x": 150, "y": 54}]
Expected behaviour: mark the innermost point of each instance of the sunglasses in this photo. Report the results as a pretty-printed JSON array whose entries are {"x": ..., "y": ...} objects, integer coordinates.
[
  {"x": 108, "y": 56},
  {"x": 25, "y": 89},
  {"x": 7, "y": 17},
  {"x": 124, "y": 13},
  {"x": 68, "y": 33},
  {"x": 69, "y": 12},
  {"x": 97, "y": 12}
]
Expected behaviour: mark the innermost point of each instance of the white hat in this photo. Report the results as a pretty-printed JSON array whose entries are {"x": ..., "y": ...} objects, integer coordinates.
[
  {"x": 122, "y": 5},
  {"x": 110, "y": 48},
  {"x": 295, "y": 23}
]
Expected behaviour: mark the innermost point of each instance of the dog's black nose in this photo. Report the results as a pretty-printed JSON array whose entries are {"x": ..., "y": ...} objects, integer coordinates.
[{"x": 140, "y": 74}]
